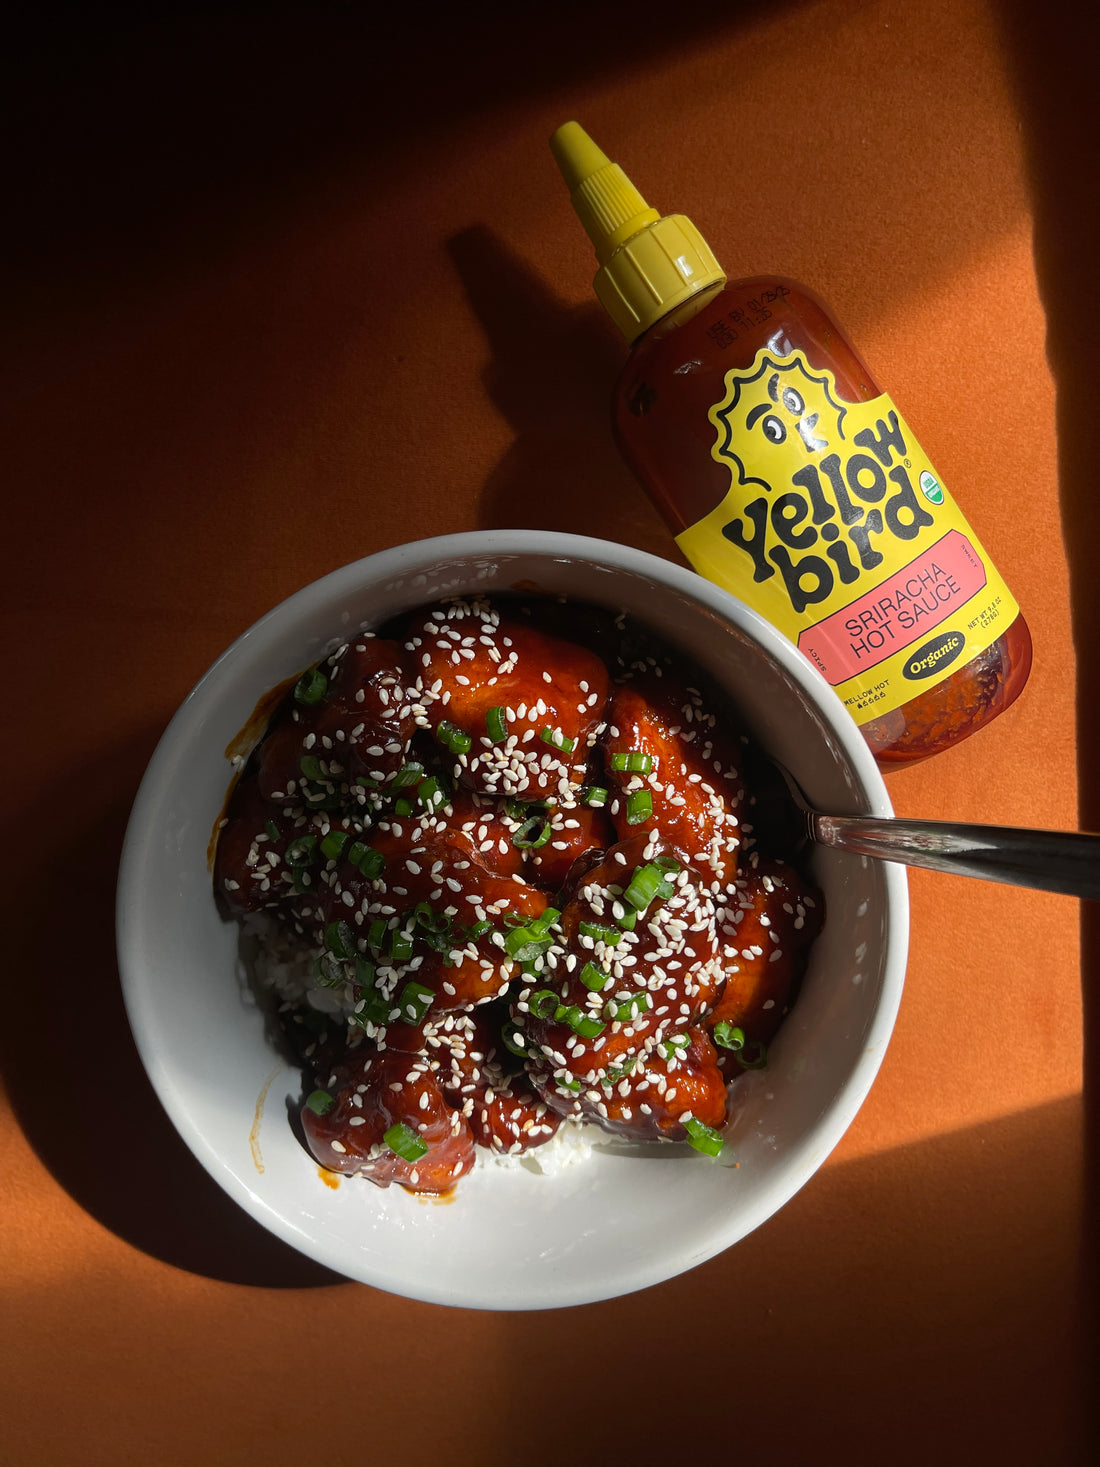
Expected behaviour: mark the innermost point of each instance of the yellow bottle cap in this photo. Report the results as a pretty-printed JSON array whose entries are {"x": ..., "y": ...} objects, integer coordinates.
[{"x": 649, "y": 265}]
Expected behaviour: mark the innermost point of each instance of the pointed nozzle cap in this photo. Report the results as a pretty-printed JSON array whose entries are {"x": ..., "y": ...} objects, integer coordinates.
[
  {"x": 648, "y": 265},
  {"x": 607, "y": 203}
]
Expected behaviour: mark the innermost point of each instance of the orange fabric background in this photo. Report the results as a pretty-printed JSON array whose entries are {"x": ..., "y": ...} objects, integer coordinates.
[{"x": 297, "y": 286}]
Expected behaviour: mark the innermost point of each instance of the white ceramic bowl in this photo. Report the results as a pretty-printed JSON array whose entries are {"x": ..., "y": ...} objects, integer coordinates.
[{"x": 615, "y": 1221}]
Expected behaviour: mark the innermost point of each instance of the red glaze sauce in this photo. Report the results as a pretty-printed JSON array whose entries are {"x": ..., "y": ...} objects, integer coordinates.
[{"x": 509, "y": 836}]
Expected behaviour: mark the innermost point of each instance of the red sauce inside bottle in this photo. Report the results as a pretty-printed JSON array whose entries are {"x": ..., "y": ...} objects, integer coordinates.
[{"x": 676, "y": 373}]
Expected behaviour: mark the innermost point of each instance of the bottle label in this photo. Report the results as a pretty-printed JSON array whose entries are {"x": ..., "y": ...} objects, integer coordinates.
[{"x": 837, "y": 529}]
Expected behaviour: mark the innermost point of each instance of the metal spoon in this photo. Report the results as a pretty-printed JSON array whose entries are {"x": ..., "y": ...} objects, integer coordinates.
[{"x": 1048, "y": 860}]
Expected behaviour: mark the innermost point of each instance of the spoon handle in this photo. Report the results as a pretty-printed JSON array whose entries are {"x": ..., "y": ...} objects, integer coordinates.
[{"x": 1048, "y": 860}]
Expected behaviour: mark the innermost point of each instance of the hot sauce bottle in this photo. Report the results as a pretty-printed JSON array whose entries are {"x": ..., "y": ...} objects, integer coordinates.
[{"x": 790, "y": 478}]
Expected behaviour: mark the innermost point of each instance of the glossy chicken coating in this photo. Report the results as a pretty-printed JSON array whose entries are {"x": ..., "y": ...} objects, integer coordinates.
[
  {"x": 351, "y": 719},
  {"x": 435, "y": 900},
  {"x": 622, "y": 975},
  {"x": 654, "y": 1096},
  {"x": 482, "y": 831},
  {"x": 765, "y": 931},
  {"x": 251, "y": 871},
  {"x": 675, "y": 771},
  {"x": 373, "y": 1096},
  {"x": 505, "y": 1113},
  {"x": 524, "y": 708},
  {"x": 569, "y": 835}
]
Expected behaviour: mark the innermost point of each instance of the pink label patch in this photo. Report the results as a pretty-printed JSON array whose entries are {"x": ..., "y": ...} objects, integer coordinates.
[{"x": 912, "y": 603}]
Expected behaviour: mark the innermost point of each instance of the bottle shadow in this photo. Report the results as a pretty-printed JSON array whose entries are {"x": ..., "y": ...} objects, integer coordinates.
[
  {"x": 551, "y": 375},
  {"x": 1058, "y": 100},
  {"x": 70, "y": 1064}
]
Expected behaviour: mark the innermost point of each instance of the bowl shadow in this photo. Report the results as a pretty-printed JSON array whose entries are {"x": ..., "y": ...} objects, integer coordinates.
[{"x": 72, "y": 1070}]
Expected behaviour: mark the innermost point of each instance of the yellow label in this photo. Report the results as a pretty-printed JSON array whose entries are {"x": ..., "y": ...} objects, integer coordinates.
[{"x": 837, "y": 529}]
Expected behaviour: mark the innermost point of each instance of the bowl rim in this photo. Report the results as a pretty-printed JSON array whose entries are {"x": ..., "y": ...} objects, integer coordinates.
[{"x": 393, "y": 563}]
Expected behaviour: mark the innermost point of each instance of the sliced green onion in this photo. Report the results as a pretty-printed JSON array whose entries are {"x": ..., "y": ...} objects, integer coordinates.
[
  {"x": 703, "y": 1137},
  {"x": 479, "y": 929},
  {"x": 330, "y": 971},
  {"x": 643, "y": 887},
  {"x": 404, "y": 807},
  {"x": 333, "y": 844},
  {"x": 633, "y": 1006},
  {"x": 544, "y": 921},
  {"x": 544, "y": 1003},
  {"x": 302, "y": 882},
  {"x": 452, "y": 737},
  {"x": 496, "y": 725},
  {"x": 639, "y": 807},
  {"x": 311, "y": 687},
  {"x": 673, "y": 1048},
  {"x": 364, "y": 971},
  {"x": 373, "y": 1009},
  {"x": 522, "y": 948},
  {"x": 401, "y": 948},
  {"x": 272, "y": 829},
  {"x": 340, "y": 940},
  {"x": 728, "y": 1035},
  {"x": 299, "y": 852},
  {"x": 557, "y": 740},
  {"x": 524, "y": 944},
  {"x": 533, "y": 833},
  {"x": 650, "y": 881},
  {"x": 320, "y": 1102},
  {"x": 594, "y": 796},
  {"x": 511, "y": 1036},
  {"x": 310, "y": 766},
  {"x": 407, "y": 775},
  {"x": 516, "y": 939},
  {"x": 376, "y": 933},
  {"x": 404, "y": 1142},
  {"x": 593, "y": 978},
  {"x": 600, "y": 932},
  {"x": 371, "y": 863},
  {"x": 634, "y": 761},
  {"x": 572, "y": 1086},
  {"x": 430, "y": 919},
  {"x": 580, "y": 1022},
  {"x": 430, "y": 793},
  {"x": 415, "y": 1001},
  {"x": 755, "y": 1059},
  {"x": 323, "y": 800},
  {"x": 614, "y": 1073}
]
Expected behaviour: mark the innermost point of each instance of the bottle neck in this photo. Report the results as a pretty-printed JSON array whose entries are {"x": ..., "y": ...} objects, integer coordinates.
[{"x": 680, "y": 315}]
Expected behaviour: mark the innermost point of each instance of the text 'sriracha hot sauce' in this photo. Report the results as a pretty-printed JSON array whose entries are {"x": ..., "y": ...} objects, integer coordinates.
[{"x": 790, "y": 478}]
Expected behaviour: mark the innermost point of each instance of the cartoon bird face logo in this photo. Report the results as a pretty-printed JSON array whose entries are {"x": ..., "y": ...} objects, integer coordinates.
[{"x": 780, "y": 402}]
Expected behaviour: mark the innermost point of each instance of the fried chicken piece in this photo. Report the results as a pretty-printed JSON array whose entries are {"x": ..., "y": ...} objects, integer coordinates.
[
  {"x": 389, "y": 1122},
  {"x": 654, "y": 1095},
  {"x": 251, "y": 870},
  {"x": 765, "y": 932},
  {"x": 634, "y": 959},
  {"x": 518, "y": 710},
  {"x": 504, "y": 1111},
  {"x": 674, "y": 771},
  {"x": 358, "y": 726}
]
